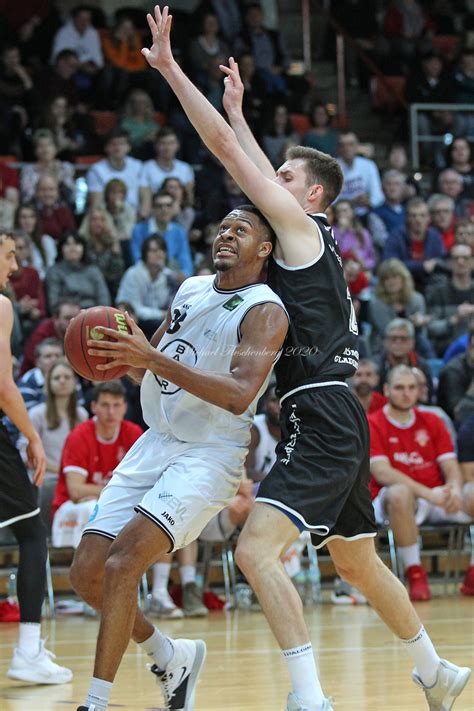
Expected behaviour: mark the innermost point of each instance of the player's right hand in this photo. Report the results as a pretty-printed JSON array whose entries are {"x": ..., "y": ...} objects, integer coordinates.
[
  {"x": 234, "y": 88},
  {"x": 36, "y": 459}
]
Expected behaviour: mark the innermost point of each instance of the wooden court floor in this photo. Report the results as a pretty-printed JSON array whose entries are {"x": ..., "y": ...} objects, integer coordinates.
[{"x": 362, "y": 666}]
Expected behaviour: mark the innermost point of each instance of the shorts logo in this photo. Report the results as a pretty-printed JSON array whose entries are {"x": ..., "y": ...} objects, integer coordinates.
[
  {"x": 94, "y": 513},
  {"x": 295, "y": 421},
  {"x": 174, "y": 504},
  {"x": 168, "y": 517}
]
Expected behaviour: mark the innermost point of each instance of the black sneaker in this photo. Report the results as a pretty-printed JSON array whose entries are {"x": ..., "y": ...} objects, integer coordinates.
[{"x": 178, "y": 681}]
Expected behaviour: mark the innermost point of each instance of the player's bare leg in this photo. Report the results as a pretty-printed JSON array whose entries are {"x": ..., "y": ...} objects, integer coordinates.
[{"x": 266, "y": 535}]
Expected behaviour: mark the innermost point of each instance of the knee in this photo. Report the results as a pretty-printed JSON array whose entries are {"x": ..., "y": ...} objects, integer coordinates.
[
  {"x": 122, "y": 566},
  {"x": 400, "y": 500},
  {"x": 247, "y": 557},
  {"x": 359, "y": 575},
  {"x": 85, "y": 577}
]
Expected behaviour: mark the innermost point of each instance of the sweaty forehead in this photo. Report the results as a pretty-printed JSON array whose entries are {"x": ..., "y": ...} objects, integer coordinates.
[{"x": 292, "y": 165}]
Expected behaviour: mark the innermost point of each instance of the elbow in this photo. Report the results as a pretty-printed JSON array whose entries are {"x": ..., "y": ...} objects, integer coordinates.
[
  {"x": 74, "y": 494},
  {"x": 238, "y": 405}
]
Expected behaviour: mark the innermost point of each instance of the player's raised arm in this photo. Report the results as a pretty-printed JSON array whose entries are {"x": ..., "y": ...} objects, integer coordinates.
[
  {"x": 232, "y": 100},
  {"x": 295, "y": 231}
]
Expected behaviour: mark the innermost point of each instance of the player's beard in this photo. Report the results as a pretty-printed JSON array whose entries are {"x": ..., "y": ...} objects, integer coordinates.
[{"x": 222, "y": 266}]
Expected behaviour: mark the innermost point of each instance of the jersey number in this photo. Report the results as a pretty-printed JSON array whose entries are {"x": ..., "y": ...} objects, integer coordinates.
[{"x": 353, "y": 327}]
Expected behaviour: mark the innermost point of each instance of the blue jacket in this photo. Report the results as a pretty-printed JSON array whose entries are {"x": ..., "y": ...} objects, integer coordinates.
[
  {"x": 398, "y": 246},
  {"x": 391, "y": 218},
  {"x": 179, "y": 253}
]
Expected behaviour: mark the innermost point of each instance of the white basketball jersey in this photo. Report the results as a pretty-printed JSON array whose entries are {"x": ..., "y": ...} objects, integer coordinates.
[
  {"x": 203, "y": 334},
  {"x": 265, "y": 452}
]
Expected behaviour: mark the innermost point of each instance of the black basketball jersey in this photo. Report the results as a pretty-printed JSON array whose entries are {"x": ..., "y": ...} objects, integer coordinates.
[{"x": 321, "y": 343}]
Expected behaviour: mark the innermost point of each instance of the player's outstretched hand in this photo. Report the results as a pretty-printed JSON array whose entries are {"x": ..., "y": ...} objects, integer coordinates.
[
  {"x": 160, "y": 54},
  {"x": 125, "y": 349},
  {"x": 234, "y": 88}
]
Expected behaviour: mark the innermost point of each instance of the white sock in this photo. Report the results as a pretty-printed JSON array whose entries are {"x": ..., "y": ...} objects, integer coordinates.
[
  {"x": 187, "y": 574},
  {"x": 161, "y": 576},
  {"x": 410, "y": 555},
  {"x": 99, "y": 694},
  {"x": 304, "y": 676},
  {"x": 29, "y": 639},
  {"x": 421, "y": 650},
  {"x": 160, "y": 648}
]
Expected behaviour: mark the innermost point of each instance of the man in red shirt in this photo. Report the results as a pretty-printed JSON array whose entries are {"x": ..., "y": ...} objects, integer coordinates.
[
  {"x": 415, "y": 473},
  {"x": 56, "y": 216},
  {"x": 91, "y": 452},
  {"x": 364, "y": 382},
  {"x": 54, "y": 327}
]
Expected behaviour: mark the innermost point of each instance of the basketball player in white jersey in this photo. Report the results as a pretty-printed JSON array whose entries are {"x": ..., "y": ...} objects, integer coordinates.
[
  {"x": 320, "y": 479},
  {"x": 202, "y": 375}
]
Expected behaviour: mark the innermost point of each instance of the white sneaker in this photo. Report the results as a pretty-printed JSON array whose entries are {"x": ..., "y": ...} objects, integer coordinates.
[
  {"x": 178, "y": 681},
  {"x": 163, "y": 606},
  {"x": 294, "y": 705},
  {"x": 345, "y": 594},
  {"x": 450, "y": 682},
  {"x": 38, "y": 670}
]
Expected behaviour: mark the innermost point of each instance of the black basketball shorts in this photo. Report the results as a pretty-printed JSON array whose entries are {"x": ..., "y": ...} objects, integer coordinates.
[
  {"x": 321, "y": 474},
  {"x": 18, "y": 496}
]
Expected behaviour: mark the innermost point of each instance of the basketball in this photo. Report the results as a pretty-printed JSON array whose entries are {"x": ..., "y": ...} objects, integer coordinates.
[{"x": 81, "y": 329}]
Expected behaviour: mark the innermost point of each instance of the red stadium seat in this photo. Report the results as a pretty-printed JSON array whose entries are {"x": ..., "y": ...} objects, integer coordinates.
[
  {"x": 104, "y": 121},
  {"x": 160, "y": 118},
  {"x": 386, "y": 97},
  {"x": 300, "y": 123},
  {"x": 87, "y": 160},
  {"x": 447, "y": 45}
]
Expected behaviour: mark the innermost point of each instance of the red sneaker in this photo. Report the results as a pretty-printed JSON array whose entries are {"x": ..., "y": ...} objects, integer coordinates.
[
  {"x": 9, "y": 611},
  {"x": 417, "y": 580},
  {"x": 467, "y": 588}
]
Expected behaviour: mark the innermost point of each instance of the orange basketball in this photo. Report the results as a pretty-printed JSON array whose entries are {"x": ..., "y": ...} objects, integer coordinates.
[{"x": 82, "y": 329}]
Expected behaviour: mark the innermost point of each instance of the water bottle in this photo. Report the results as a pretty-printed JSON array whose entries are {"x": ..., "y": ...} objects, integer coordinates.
[{"x": 11, "y": 587}]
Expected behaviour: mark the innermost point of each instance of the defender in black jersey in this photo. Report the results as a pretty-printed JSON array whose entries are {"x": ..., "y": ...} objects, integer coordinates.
[{"x": 320, "y": 479}]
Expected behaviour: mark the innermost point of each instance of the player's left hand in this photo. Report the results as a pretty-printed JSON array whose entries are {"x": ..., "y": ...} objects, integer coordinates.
[
  {"x": 454, "y": 502},
  {"x": 125, "y": 349},
  {"x": 160, "y": 54}
]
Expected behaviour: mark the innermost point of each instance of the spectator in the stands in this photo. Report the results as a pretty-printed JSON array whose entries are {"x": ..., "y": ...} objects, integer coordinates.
[
  {"x": 31, "y": 383},
  {"x": 53, "y": 419},
  {"x": 255, "y": 95},
  {"x": 123, "y": 215},
  {"x": 28, "y": 287},
  {"x": 53, "y": 327},
  {"x": 456, "y": 383},
  {"x": 321, "y": 135},
  {"x": 397, "y": 159},
  {"x": 164, "y": 165},
  {"x": 149, "y": 285},
  {"x": 206, "y": 46},
  {"x": 9, "y": 185},
  {"x": 405, "y": 23},
  {"x": 451, "y": 305},
  {"x": 79, "y": 35},
  {"x": 464, "y": 233},
  {"x": 466, "y": 462},
  {"x": 464, "y": 83},
  {"x": 450, "y": 183},
  {"x": 362, "y": 184},
  {"x": 43, "y": 250},
  {"x": 228, "y": 14},
  {"x": 125, "y": 64},
  {"x": 395, "y": 297},
  {"x": 56, "y": 217},
  {"x": 267, "y": 48},
  {"x": 184, "y": 212},
  {"x": 138, "y": 119},
  {"x": 399, "y": 349},
  {"x": 179, "y": 253},
  {"x": 429, "y": 85},
  {"x": 459, "y": 158},
  {"x": 417, "y": 245},
  {"x": 423, "y": 403},
  {"x": 103, "y": 246},
  {"x": 16, "y": 84},
  {"x": 73, "y": 278},
  {"x": 73, "y": 131},
  {"x": 222, "y": 197},
  {"x": 415, "y": 474},
  {"x": 441, "y": 209},
  {"x": 352, "y": 236},
  {"x": 278, "y": 135},
  {"x": 364, "y": 383},
  {"x": 47, "y": 164},
  {"x": 391, "y": 214},
  {"x": 60, "y": 78},
  {"x": 117, "y": 164}
]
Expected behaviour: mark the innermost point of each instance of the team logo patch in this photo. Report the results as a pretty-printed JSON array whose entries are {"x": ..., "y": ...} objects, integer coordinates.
[
  {"x": 183, "y": 352},
  {"x": 233, "y": 302},
  {"x": 422, "y": 437}
]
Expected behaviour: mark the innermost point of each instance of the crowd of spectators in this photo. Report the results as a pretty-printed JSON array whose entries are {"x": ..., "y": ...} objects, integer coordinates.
[{"x": 123, "y": 215}]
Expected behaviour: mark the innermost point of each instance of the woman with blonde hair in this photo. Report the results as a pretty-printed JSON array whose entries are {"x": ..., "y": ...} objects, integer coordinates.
[
  {"x": 103, "y": 248},
  {"x": 54, "y": 419},
  {"x": 395, "y": 297}
]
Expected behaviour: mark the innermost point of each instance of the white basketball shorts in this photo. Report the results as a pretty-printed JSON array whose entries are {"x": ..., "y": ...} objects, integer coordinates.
[
  {"x": 178, "y": 485},
  {"x": 426, "y": 512}
]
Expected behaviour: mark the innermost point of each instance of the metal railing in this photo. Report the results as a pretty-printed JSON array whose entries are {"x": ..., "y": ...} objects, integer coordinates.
[{"x": 417, "y": 138}]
